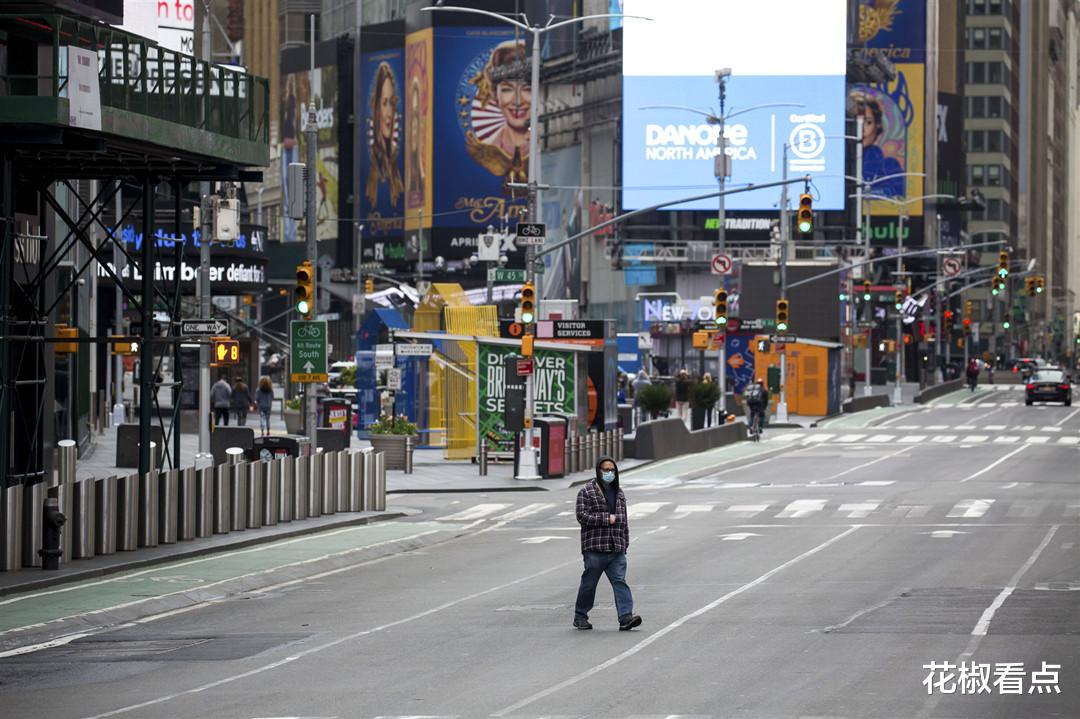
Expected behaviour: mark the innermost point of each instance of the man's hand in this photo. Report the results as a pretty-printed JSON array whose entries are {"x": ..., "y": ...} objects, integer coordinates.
[{"x": 611, "y": 519}]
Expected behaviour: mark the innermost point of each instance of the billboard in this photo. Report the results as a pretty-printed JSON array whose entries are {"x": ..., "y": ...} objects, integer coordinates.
[
  {"x": 418, "y": 129},
  {"x": 296, "y": 100},
  {"x": 668, "y": 152},
  {"x": 382, "y": 135},
  {"x": 554, "y": 379},
  {"x": 482, "y": 100}
]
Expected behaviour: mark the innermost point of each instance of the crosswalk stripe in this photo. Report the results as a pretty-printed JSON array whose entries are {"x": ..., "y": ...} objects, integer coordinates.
[
  {"x": 748, "y": 510},
  {"x": 1026, "y": 509},
  {"x": 789, "y": 437},
  {"x": 801, "y": 508},
  {"x": 524, "y": 511},
  {"x": 1010, "y": 404},
  {"x": 1073, "y": 510},
  {"x": 970, "y": 508},
  {"x": 684, "y": 510},
  {"x": 1024, "y": 428},
  {"x": 820, "y": 437},
  {"x": 944, "y": 438},
  {"x": 1068, "y": 440},
  {"x": 858, "y": 510},
  {"x": 643, "y": 509},
  {"x": 478, "y": 512},
  {"x": 850, "y": 438},
  {"x": 995, "y": 427},
  {"x": 986, "y": 405},
  {"x": 881, "y": 438},
  {"x": 965, "y": 427},
  {"x": 1038, "y": 440},
  {"x": 936, "y": 427},
  {"x": 1006, "y": 439},
  {"x": 976, "y": 438},
  {"x": 1050, "y": 429},
  {"x": 912, "y": 511},
  {"x": 913, "y": 438}
]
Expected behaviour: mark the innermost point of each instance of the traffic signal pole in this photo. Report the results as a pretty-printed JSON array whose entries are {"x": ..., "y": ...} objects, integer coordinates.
[
  {"x": 785, "y": 237},
  {"x": 205, "y": 231},
  {"x": 311, "y": 136},
  {"x": 898, "y": 390}
]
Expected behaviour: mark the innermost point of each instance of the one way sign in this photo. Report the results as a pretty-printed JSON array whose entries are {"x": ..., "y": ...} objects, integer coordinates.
[{"x": 199, "y": 328}]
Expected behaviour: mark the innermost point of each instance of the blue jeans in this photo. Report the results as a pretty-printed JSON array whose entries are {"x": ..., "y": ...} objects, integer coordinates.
[{"x": 613, "y": 564}]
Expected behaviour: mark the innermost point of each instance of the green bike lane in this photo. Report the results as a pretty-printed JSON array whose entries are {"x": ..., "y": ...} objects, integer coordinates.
[{"x": 254, "y": 567}]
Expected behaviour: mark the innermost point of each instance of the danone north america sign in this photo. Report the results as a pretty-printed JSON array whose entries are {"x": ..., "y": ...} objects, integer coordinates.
[{"x": 553, "y": 386}]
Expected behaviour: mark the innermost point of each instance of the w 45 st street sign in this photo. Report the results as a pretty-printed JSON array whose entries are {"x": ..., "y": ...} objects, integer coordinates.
[{"x": 307, "y": 356}]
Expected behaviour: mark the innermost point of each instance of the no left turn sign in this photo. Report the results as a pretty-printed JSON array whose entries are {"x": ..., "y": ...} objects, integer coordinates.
[
  {"x": 721, "y": 264},
  {"x": 951, "y": 266}
]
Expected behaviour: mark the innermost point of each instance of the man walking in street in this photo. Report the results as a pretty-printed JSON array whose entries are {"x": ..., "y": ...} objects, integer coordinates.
[
  {"x": 605, "y": 536},
  {"x": 221, "y": 401}
]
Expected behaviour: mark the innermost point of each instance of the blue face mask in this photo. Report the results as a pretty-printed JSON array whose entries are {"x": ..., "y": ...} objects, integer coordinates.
[{"x": 607, "y": 476}]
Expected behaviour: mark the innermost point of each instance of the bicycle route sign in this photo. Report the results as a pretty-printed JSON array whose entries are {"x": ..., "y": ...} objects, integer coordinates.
[{"x": 308, "y": 351}]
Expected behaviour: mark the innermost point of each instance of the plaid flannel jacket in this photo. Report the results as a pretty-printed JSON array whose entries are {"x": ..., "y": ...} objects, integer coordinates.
[{"x": 592, "y": 514}]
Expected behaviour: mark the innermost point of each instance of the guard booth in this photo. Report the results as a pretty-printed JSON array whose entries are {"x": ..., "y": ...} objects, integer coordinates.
[{"x": 812, "y": 383}]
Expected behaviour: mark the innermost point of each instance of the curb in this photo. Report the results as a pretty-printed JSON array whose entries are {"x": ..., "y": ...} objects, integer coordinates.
[
  {"x": 97, "y": 572},
  {"x": 468, "y": 490}
]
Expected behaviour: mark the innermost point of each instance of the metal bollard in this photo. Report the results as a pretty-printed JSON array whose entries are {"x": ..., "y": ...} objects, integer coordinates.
[
  {"x": 127, "y": 513},
  {"x": 148, "y": 509},
  {"x": 356, "y": 481},
  {"x": 315, "y": 483},
  {"x": 329, "y": 482},
  {"x": 619, "y": 445},
  {"x": 271, "y": 492},
  {"x": 300, "y": 497},
  {"x": 288, "y": 488},
  {"x": 222, "y": 506},
  {"x": 238, "y": 483},
  {"x": 582, "y": 449},
  {"x": 33, "y": 497},
  {"x": 256, "y": 493},
  {"x": 105, "y": 511},
  {"x": 185, "y": 505},
  {"x": 66, "y": 453},
  {"x": 344, "y": 487},
  {"x": 410, "y": 444},
  {"x": 168, "y": 506},
  {"x": 567, "y": 467},
  {"x": 204, "y": 501},
  {"x": 369, "y": 479},
  {"x": 82, "y": 528},
  {"x": 380, "y": 483},
  {"x": 482, "y": 458},
  {"x": 11, "y": 515}
]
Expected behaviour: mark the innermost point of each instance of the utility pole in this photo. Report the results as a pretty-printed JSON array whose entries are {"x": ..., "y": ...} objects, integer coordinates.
[
  {"x": 311, "y": 137},
  {"x": 721, "y": 167},
  {"x": 205, "y": 230},
  {"x": 785, "y": 235},
  {"x": 898, "y": 391},
  {"x": 118, "y": 314}
]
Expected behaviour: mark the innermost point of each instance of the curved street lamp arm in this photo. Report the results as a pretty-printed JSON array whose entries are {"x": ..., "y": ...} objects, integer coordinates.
[
  {"x": 711, "y": 116},
  {"x": 551, "y": 26},
  {"x": 758, "y": 107},
  {"x": 475, "y": 11}
]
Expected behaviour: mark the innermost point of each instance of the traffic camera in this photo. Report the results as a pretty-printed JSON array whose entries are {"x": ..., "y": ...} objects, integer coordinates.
[
  {"x": 304, "y": 294},
  {"x": 720, "y": 307},
  {"x": 528, "y": 303},
  {"x": 806, "y": 213},
  {"x": 781, "y": 315}
]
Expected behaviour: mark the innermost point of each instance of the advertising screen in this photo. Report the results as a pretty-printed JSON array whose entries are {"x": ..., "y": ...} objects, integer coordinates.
[
  {"x": 778, "y": 51},
  {"x": 382, "y": 134}
]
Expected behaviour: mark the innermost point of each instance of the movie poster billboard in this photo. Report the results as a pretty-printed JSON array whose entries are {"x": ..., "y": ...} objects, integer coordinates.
[
  {"x": 382, "y": 146},
  {"x": 562, "y": 213},
  {"x": 482, "y": 106},
  {"x": 296, "y": 100},
  {"x": 419, "y": 52},
  {"x": 554, "y": 378}
]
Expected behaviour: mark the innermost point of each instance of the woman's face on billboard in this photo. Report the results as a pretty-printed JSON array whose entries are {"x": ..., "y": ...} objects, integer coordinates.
[
  {"x": 514, "y": 98},
  {"x": 387, "y": 102}
]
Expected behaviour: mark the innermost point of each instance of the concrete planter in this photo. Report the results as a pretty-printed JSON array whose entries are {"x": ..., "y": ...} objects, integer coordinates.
[
  {"x": 293, "y": 421},
  {"x": 393, "y": 448}
]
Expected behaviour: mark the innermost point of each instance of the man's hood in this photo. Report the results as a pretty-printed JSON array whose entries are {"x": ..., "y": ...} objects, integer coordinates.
[{"x": 599, "y": 481}]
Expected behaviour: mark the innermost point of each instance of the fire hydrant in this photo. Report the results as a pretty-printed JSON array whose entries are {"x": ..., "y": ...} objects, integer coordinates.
[{"x": 51, "y": 549}]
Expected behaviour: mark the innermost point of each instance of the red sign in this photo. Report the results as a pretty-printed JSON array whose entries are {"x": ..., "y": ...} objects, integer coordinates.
[{"x": 524, "y": 367}]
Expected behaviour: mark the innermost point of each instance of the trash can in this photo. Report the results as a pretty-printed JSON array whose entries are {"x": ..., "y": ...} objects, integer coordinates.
[
  {"x": 336, "y": 413},
  {"x": 552, "y": 431},
  {"x": 275, "y": 446}
]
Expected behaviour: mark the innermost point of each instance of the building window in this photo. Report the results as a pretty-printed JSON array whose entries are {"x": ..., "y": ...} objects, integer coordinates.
[
  {"x": 976, "y": 141},
  {"x": 993, "y": 175},
  {"x": 993, "y": 107},
  {"x": 977, "y": 40},
  {"x": 993, "y": 38},
  {"x": 976, "y": 7},
  {"x": 976, "y": 106},
  {"x": 976, "y": 72},
  {"x": 976, "y": 174},
  {"x": 994, "y": 7},
  {"x": 995, "y": 72},
  {"x": 995, "y": 141}
]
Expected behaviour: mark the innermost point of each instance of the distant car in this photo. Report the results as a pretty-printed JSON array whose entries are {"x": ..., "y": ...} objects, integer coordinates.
[
  {"x": 1048, "y": 385},
  {"x": 335, "y": 370}
]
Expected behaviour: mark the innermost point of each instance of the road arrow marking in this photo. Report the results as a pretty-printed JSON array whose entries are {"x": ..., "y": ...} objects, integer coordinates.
[
  {"x": 944, "y": 533},
  {"x": 738, "y": 537}
]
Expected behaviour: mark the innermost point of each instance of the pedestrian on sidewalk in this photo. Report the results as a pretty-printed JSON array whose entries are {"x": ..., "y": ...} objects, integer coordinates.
[
  {"x": 605, "y": 537},
  {"x": 264, "y": 401},
  {"x": 241, "y": 401},
  {"x": 221, "y": 401},
  {"x": 682, "y": 394}
]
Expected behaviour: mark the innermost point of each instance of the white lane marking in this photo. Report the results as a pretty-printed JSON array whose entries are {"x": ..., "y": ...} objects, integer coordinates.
[
  {"x": 1066, "y": 418},
  {"x": 988, "y": 615},
  {"x": 944, "y": 533},
  {"x": 738, "y": 485},
  {"x": 801, "y": 508},
  {"x": 592, "y": 671},
  {"x": 818, "y": 438},
  {"x": 478, "y": 512},
  {"x": 1010, "y": 485},
  {"x": 964, "y": 427},
  {"x": 540, "y": 540},
  {"x": 976, "y": 438},
  {"x": 1010, "y": 404},
  {"x": 970, "y": 508},
  {"x": 52, "y": 643},
  {"x": 882, "y": 438},
  {"x": 877, "y": 483},
  {"x": 789, "y": 437},
  {"x": 1006, "y": 439},
  {"x": 985, "y": 405},
  {"x": 995, "y": 427},
  {"x": 737, "y": 536},
  {"x": 944, "y": 439},
  {"x": 524, "y": 511},
  {"x": 643, "y": 509},
  {"x": 912, "y": 511},
  {"x": 1050, "y": 429},
  {"x": 867, "y": 464},
  {"x": 1038, "y": 439},
  {"x": 912, "y": 438},
  {"x": 944, "y": 405},
  {"x": 1068, "y": 440},
  {"x": 909, "y": 427},
  {"x": 995, "y": 463},
  {"x": 1026, "y": 509},
  {"x": 747, "y": 510},
  {"x": 685, "y": 510},
  {"x": 858, "y": 510},
  {"x": 936, "y": 427},
  {"x": 850, "y": 438},
  {"x": 1025, "y": 428}
]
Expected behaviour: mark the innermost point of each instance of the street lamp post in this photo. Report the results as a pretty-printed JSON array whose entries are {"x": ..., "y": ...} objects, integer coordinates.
[{"x": 527, "y": 465}]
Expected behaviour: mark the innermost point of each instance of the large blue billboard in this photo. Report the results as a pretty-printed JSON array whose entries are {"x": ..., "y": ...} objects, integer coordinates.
[
  {"x": 381, "y": 151},
  {"x": 796, "y": 70}
]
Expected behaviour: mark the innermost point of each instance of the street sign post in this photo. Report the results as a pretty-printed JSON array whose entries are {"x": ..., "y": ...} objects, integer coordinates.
[
  {"x": 782, "y": 339},
  {"x": 308, "y": 351},
  {"x": 204, "y": 328},
  {"x": 414, "y": 350},
  {"x": 512, "y": 276},
  {"x": 393, "y": 379},
  {"x": 524, "y": 367},
  {"x": 951, "y": 266},
  {"x": 531, "y": 233}
]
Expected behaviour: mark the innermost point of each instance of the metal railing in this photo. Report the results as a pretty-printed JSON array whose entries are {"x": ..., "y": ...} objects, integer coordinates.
[{"x": 138, "y": 76}]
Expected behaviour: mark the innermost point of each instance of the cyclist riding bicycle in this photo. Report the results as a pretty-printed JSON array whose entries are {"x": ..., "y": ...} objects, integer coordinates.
[
  {"x": 972, "y": 372},
  {"x": 757, "y": 399}
]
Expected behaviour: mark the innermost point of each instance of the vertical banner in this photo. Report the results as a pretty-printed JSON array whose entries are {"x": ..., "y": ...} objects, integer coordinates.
[
  {"x": 382, "y": 135},
  {"x": 562, "y": 213},
  {"x": 553, "y": 386},
  {"x": 483, "y": 99},
  {"x": 419, "y": 52}
]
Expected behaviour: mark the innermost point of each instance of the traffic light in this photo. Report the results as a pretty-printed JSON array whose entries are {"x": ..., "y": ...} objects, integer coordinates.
[
  {"x": 720, "y": 307},
  {"x": 996, "y": 287},
  {"x": 1029, "y": 286},
  {"x": 866, "y": 293},
  {"x": 1040, "y": 285},
  {"x": 948, "y": 315},
  {"x": 304, "y": 294},
  {"x": 806, "y": 213},
  {"x": 528, "y": 303},
  {"x": 1003, "y": 264},
  {"x": 369, "y": 286},
  {"x": 1005, "y": 324},
  {"x": 899, "y": 299},
  {"x": 781, "y": 315}
]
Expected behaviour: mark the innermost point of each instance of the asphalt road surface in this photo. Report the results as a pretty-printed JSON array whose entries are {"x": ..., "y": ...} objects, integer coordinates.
[{"x": 908, "y": 562}]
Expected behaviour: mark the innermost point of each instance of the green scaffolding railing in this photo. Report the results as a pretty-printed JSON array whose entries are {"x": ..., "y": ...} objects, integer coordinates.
[{"x": 137, "y": 76}]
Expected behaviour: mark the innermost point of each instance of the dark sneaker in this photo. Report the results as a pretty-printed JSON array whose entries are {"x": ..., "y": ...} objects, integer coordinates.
[
  {"x": 628, "y": 622},
  {"x": 581, "y": 623}
]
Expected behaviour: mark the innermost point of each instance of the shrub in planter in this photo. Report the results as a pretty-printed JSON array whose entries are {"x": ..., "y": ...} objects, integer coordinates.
[
  {"x": 703, "y": 397},
  {"x": 654, "y": 398},
  {"x": 292, "y": 415},
  {"x": 388, "y": 434}
]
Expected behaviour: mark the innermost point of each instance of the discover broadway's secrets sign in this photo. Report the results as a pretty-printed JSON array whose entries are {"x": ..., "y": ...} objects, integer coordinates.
[{"x": 553, "y": 388}]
